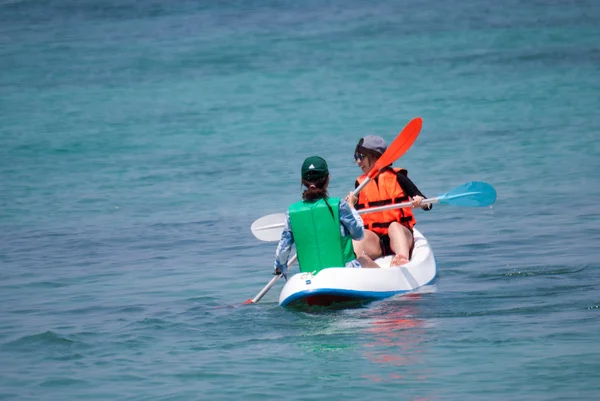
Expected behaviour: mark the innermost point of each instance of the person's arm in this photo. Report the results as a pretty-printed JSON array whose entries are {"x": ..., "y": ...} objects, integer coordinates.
[
  {"x": 351, "y": 220},
  {"x": 284, "y": 248},
  {"x": 411, "y": 189}
]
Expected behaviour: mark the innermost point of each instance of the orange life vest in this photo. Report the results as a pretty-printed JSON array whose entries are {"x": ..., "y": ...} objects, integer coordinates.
[{"x": 381, "y": 191}]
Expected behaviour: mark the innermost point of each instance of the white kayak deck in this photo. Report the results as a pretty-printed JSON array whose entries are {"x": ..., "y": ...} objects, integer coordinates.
[{"x": 346, "y": 284}]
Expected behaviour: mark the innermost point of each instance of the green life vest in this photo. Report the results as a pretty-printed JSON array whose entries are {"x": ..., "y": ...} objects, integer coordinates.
[{"x": 319, "y": 241}]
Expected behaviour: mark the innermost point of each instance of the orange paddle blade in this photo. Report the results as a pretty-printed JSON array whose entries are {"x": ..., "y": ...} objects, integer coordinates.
[{"x": 399, "y": 146}]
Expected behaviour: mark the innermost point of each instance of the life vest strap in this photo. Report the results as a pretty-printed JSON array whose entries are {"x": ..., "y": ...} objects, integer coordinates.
[{"x": 383, "y": 202}]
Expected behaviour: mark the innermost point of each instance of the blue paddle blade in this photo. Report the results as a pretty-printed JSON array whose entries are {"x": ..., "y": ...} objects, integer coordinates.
[{"x": 474, "y": 193}]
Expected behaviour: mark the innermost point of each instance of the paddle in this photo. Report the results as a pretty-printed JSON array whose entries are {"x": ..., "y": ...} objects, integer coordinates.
[
  {"x": 397, "y": 148},
  {"x": 470, "y": 194},
  {"x": 269, "y": 284},
  {"x": 269, "y": 227}
]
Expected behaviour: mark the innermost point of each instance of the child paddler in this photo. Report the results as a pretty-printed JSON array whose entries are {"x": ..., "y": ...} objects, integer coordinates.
[{"x": 321, "y": 227}]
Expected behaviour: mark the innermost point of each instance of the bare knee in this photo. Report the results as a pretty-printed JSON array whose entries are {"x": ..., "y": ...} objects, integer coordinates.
[
  {"x": 369, "y": 245},
  {"x": 401, "y": 239},
  {"x": 396, "y": 229}
]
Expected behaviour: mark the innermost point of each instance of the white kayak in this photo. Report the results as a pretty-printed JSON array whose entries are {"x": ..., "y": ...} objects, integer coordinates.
[{"x": 341, "y": 285}]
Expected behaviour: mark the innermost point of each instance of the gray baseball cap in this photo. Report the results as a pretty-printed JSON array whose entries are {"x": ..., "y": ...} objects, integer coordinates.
[{"x": 373, "y": 142}]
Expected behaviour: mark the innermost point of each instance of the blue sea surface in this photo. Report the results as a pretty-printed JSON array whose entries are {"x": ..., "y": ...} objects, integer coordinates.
[{"x": 140, "y": 140}]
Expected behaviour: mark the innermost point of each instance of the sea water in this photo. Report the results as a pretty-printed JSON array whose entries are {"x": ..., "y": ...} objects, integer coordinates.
[{"x": 140, "y": 140}]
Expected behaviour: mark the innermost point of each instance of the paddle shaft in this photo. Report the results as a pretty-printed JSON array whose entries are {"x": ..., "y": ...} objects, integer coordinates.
[
  {"x": 276, "y": 225},
  {"x": 361, "y": 186},
  {"x": 476, "y": 193},
  {"x": 271, "y": 283},
  {"x": 425, "y": 202}
]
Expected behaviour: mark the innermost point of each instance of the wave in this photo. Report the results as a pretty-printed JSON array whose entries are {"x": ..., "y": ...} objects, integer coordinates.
[{"x": 47, "y": 337}]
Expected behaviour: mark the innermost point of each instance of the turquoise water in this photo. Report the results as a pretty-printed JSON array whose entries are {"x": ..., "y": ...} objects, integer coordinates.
[{"x": 140, "y": 140}]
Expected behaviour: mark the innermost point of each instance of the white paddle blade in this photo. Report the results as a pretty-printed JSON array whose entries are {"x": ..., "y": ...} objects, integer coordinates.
[{"x": 269, "y": 228}]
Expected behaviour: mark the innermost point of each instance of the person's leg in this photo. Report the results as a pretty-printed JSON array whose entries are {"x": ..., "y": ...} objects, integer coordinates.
[
  {"x": 401, "y": 241},
  {"x": 367, "y": 262},
  {"x": 368, "y": 246}
]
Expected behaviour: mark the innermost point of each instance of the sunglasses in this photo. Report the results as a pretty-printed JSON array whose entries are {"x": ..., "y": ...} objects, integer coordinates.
[{"x": 358, "y": 156}]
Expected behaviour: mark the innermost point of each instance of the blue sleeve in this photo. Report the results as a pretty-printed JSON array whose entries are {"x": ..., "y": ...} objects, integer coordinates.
[
  {"x": 351, "y": 221},
  {"x": 284, "y": 247}
]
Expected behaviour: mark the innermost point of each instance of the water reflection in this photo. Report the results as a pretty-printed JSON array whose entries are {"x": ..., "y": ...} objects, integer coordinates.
[
  {"x": 397, "y": 332},
  {"x": 393, "y": 336},
  {"x": 397, "y": 343}
]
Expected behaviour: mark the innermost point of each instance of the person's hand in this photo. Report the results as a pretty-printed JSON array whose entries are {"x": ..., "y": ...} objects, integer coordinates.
[
  {"x": 416, "y": 201},
  {"x": 351, "y": 199},
  {"x": 277, "y": 271}
]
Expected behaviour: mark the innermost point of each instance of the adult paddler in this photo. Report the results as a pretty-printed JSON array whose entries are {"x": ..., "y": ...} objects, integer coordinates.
[{"x": 389, "y": 232}]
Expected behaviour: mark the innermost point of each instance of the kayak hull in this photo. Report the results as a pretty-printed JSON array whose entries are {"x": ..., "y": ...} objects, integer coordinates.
[{"x": 341, "y": 286}]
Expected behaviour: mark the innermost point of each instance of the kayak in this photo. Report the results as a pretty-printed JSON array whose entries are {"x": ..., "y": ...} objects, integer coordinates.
[{"x": 340, "y": 285}]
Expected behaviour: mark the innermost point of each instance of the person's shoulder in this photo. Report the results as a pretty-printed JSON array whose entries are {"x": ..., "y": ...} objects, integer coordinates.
[
  {"x": 295, "y": 206},
  {"x": 341, "y": 202},
  {"x": 401, "y": 171},
  {"x": 394, "y": 170}
]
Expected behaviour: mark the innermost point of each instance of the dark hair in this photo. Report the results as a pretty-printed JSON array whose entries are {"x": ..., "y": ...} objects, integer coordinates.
[
  {"x": 316, "y": 189},
  {"x": 371, "y": 154}
]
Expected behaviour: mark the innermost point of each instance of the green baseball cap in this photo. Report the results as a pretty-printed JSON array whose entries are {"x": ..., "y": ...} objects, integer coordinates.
[{"x": 314, "y": 167}]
